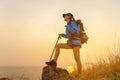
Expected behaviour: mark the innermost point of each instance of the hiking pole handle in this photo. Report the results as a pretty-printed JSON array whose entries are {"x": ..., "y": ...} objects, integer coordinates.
[{"x": 54, "y": 47}]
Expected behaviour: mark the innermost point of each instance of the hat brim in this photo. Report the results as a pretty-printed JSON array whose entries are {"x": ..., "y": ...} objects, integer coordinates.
[{"x": 64, "y": 15}]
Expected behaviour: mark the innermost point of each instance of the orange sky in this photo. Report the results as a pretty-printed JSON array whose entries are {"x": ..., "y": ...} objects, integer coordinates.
[{"x": 29, "y": 28}]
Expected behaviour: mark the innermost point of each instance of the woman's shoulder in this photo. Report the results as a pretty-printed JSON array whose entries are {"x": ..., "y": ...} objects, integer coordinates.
[{"x": 73, "y": 22}]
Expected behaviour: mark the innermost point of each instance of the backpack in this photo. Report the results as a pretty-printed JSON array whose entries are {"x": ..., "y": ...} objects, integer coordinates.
[{"x": 83, "y": 36}]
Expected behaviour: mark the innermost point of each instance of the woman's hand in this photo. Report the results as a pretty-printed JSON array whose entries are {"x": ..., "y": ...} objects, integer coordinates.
[{"x": 61, "y": 35}]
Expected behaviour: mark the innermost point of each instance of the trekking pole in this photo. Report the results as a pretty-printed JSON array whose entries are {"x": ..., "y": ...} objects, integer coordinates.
[{"x": 54, "y": 48}]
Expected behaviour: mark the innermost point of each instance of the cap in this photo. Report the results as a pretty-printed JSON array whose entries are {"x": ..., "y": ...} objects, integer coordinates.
[{"x": 68, "y": 14}]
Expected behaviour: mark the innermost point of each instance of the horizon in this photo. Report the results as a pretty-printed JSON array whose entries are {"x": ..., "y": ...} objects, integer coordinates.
[{"x": 29, "y": 29}]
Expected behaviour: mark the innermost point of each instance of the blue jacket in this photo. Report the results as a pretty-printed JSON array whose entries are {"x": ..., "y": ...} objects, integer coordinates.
[{"x": 71, "y": 29}]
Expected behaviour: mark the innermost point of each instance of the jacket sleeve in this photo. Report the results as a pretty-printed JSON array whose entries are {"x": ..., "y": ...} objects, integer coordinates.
[
  {"x": 71, "y": 30},
  {"x": 67, "y": 34}
]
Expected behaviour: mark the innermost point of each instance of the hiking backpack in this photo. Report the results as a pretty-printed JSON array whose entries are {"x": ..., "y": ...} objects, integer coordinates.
[{"x": 83, "y": 36}]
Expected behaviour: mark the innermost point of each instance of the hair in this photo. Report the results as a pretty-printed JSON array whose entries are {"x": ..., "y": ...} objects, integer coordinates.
[{"x": 73, "y": 19}]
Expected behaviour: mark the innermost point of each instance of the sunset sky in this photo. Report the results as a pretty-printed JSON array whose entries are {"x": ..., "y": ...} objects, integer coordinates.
[{"x": 29, "y": 29}]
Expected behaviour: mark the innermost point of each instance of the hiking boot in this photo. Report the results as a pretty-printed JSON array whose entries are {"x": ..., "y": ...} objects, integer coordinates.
[{"x": 52, "y": 63}]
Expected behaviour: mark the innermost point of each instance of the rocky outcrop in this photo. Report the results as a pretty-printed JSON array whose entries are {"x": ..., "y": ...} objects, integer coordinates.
[
  {"x": 4, "y": 79},
  {"x": 53, "y": 73}
]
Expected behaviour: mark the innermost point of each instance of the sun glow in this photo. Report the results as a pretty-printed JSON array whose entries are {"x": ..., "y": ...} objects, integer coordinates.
[{"x": 70, "y": 69}]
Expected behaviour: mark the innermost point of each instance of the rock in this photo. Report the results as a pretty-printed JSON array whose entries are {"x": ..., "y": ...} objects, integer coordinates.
[
  {"x": 53, "y": 73},
  {"x": 4, "y": 79}
]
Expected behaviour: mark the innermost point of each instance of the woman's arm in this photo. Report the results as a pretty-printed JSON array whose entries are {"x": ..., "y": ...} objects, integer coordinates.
[
  {"x": 67, "y": 34},
  {"x": 71, "y": 29},
  {"x": 64, "y": 35}
]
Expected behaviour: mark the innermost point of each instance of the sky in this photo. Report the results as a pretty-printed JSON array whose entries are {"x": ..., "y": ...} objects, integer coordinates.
[{"x": 29, "y": 29}]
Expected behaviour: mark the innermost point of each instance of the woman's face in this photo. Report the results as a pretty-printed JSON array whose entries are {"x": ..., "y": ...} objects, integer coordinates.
[{"x": 67, "y": 18}]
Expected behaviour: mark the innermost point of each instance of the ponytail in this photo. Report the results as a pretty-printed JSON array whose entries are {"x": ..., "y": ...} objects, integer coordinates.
[{"x": 73, "y": 19}]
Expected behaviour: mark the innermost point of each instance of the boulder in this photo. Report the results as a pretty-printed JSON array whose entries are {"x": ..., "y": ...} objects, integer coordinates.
[
  {"x": 4, "y": 79},
  {"x": 54, "y": 73}
]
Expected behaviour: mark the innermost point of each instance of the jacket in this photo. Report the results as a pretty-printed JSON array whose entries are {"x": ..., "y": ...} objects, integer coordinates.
[{"x": 71, "y": 29}]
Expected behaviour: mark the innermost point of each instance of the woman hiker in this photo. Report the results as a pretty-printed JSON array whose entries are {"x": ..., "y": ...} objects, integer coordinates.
[{"x": 72, "y": 43}]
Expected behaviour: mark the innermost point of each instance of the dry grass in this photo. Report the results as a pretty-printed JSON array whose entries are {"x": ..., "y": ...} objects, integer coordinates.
[{"x": 104, "y": 69}]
